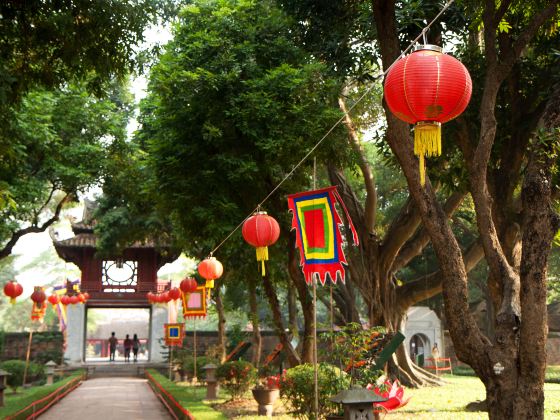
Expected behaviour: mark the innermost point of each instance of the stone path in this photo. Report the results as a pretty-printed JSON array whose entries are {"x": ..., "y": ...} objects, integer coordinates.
[{"x": 107, "y": 399}]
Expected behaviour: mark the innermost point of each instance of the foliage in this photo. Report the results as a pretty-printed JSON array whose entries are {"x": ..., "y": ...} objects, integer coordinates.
[
  {"x": 296, "y": 386},
  {"x": 351, "y": 346},
  {"x": 237, "y": 377},
  {"x": 16, "y": 369},
  {"x": 184, "y": 358}
]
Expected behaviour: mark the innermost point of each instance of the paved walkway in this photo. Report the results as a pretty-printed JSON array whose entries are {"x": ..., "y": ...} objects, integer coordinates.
[{"x": 107, "y": 399}]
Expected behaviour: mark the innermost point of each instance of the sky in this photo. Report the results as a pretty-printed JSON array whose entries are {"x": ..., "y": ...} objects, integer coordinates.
[{"x": 31, "y": 245}]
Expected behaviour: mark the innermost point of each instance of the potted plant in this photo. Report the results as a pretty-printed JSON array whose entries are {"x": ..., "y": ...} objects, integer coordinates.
[{"x": 266, "y": 392}]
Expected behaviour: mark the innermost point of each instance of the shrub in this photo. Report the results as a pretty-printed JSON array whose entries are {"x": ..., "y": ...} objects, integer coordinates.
[
  {"x": 16, "y": 369},
  {"x": 236, "y": 377},
  {"x": 187, "y": 365},
  {"x": 297, "y": 386}
]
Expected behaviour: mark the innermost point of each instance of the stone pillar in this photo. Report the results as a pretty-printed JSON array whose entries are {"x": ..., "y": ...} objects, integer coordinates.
[
  {"x": 75, "y": 333},
  {"x": 157, "y": 319},
  {"x": 3, "y": 375},
  {"x": 212, "y": 385},
  {"x": 50, "y": 365}
]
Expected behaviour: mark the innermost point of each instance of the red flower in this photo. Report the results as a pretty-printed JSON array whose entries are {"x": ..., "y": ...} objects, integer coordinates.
[{"x": 393, "y": 392}]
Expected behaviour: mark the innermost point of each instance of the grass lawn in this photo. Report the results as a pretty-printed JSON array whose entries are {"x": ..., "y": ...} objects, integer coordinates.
[
  {"x": 15, "y": 402},
  {"x": 446, "y": 402}
]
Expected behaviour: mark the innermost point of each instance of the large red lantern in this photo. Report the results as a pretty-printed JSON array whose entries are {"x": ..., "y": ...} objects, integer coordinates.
[
  {"x": 261, "y": 230},
  {"x": 13, "y": 289},
  {"x": 210, "y": 269},
  {"x": 38, "y": 296},
  {"x": 174, "y": 293},
  {"x": 188, "y": 285},
  {"x": 427, "y": 88}
]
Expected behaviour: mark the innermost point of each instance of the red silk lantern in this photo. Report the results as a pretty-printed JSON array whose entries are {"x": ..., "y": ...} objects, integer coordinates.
[
  {"x": 174, "y": 293},
  {"x": 261, "y": 230},
  {"x": 151, "y": 297},
  {"x": 164, "y": 297},
  {"x": 210, "y": 269},
  {"x": 38, "y": 296},
  {"x": 86, "y": 295},
  {"x": 188, "y": 285},
  {"x": 65, "y": 300},
  {"x": 13, "y": 289},
  {"x": 74, "y": 300},
  {"x": 53, "y": 300},
  {"x": 81, "y": 297},
  {"x": 427, "y": 88}
]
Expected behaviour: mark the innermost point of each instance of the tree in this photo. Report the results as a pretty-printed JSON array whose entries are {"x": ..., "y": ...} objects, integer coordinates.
[
  {"x": 517, "y": 392},
  {"x": 63, "y": 139}
]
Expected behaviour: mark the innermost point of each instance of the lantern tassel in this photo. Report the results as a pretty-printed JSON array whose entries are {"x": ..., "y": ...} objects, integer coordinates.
[
  {"x": 13, "y": 301},
  {"x": 262, "y": 255},
  {"x": 427, "y": 143},
  {"x": 210, "y": 284}
]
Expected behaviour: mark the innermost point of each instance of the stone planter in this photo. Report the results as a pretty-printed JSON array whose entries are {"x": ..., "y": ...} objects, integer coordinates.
[{"x": 265, "y": 398}]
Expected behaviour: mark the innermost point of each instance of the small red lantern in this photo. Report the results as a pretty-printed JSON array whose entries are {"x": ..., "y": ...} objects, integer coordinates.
[
  {"x": 81, "y": 297},
  {"x": 53, "y": 300},
  {"x": 74, "y": 300},
  {"x": 174, "y": 293},
  {"x": 427, "y": 88},
  {"x": 65, "y": 300},
  {"x": 164, "y": 297},
  {"x": 261, "y": 230},
  {"x": 86, "y": 295},
  {"x": 38, "y": 296},
  {"x": 210, "y": 269},
  {"x": 188, "y": 285},
  {"x": 13, "y": 289},
  {"x": 151, "y": 297}
]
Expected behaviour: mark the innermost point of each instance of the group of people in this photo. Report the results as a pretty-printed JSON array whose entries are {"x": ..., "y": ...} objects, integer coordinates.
[{"x": 129, "y": 344}]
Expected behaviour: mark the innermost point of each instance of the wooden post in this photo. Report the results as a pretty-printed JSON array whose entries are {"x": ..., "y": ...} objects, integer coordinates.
[
  {"x": 195, "y": 379},
  {"x": 27, "y": 357}
]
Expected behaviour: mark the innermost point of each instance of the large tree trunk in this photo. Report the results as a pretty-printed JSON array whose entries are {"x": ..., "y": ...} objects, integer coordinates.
[
  {"x": 257, "y": 339},
  {"x": 292, "y": 356},
  {"x": 506, "y": 367},
  {"x": 221, "y": 324}
]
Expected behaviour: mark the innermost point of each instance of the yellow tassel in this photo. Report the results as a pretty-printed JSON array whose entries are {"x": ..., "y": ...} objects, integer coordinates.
[
  {"x": 427, "y": 142},
  {"x": 262, "y": 255},
  {"x": 12, "y": 301},
  {"x": 209, "y": 284}
]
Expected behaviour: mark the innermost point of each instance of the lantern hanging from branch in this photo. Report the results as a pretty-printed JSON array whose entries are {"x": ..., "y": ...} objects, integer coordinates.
[
  {"x": 427, "y": 88},
  {"x": 13, "y": 289},
  {"x": 210, "y": 269},
  {"x": 261, "y": 230}
]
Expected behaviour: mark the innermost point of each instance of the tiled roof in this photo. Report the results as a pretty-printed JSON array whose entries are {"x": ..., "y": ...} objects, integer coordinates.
[{"x": 88, "y": 240}]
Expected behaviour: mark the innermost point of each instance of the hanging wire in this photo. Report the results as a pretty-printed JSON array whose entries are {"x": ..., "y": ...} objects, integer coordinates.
[{"x": 422, "y": 35}]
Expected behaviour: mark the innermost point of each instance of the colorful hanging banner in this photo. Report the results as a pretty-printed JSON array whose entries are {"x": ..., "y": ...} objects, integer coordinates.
[
  {"x": 318, "y": 237},
  {"x": 38, "y": 312},
  {"x": 173, "y": 334},
  {"x": 194, "y": 303}
]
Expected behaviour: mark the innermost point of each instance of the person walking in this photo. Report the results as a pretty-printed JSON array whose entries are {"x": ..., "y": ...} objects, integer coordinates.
[
  {"x": 135, "y": 347},
  {"x": 127, "y": 348},
  {"x": 112, "y": 347}
]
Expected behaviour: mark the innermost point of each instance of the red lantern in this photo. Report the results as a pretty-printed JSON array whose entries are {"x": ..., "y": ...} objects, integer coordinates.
[
  {"x": 188, "y": 285},
  {"x": 210, "y": 269},
  {"x": 151, "y": 297},
  {"x": 81, "y": 297},
  {"x": 38, "y": 296},
  {"x": 427, "y": 88},
  {"x": 86, "y": 295},
  {"x": 174, "y": 294},
  {"x": 164, "y": 297},
  {"x": 65, "y": 300},
  {"x": 261, "y": 230},
  {"x": 13, "y": 289},
  {"x": 74, "y": 300},
  {"x": 53, "y": 299}
]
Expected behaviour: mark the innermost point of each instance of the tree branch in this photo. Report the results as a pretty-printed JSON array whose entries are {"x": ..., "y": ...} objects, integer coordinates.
[
  {"x": 419, "y": 241},
  {"x": 367, "y": 173},
  {"x": 431, "y": 284},
  {"x": 7, "y": 249}
]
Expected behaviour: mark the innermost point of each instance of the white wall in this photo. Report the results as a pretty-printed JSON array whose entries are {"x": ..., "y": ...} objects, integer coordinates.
[
  {"x": 422, "y": 320},
  {"x": 75, "y": 333}
]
